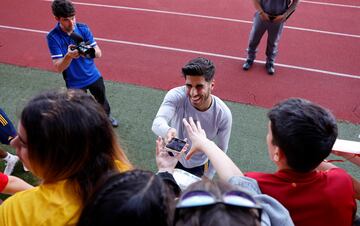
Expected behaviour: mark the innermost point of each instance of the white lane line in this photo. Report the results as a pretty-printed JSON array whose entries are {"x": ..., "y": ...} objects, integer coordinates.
[
  {"x": 331, "y": 4},
  {"x": 199, "y": 52},
  {"x": 323, "y": 32},
  {"x": 23, "y": 29},
  {"x": 212, "y": 17},
  {"x": 302, "y": 1}
]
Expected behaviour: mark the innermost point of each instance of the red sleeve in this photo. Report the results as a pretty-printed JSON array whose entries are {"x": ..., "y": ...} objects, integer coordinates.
[
  {"x": 4, "y": 179},
  {"x": 253, "y": 175}
]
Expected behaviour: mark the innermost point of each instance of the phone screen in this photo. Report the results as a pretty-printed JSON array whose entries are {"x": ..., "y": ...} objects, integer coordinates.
[{"x": 176, "y": 144}]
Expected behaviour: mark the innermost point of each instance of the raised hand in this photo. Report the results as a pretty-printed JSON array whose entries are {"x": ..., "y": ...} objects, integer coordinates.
[
  {"x": 164, "y": 161},
  {"x": 225, "y": 167},
  {"x": 196, "y": 134}
]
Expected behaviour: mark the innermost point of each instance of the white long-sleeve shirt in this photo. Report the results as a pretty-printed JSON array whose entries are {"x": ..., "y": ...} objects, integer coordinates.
[{"x": 216, "y": 121}]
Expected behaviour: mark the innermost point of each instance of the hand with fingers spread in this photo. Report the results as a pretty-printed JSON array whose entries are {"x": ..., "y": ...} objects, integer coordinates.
[
  {"x": 225, "y": 167},
  {"x": 164, "y": 161},
  {"x": 196, "y": 134}
]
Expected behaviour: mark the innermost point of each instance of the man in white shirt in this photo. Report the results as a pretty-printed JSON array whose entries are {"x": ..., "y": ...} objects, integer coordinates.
[{"x": 195, "y": 100}]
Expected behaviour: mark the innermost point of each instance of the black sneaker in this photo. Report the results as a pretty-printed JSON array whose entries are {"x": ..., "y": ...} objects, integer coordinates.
[
  {"x": 247, "y": 65},
  {"x": 113, "y": 121},
  {"x": 270, "y": 68}
]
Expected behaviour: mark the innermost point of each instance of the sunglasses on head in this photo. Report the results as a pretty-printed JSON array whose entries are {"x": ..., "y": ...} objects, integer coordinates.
[{"x": 234, "y": 198}]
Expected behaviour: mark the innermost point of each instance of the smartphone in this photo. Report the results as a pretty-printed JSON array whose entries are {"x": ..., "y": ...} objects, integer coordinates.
[{"x": 175, "y": 145}]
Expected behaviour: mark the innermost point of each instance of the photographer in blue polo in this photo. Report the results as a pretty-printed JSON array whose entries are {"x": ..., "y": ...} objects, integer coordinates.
[{"x": 78, "y": 69}]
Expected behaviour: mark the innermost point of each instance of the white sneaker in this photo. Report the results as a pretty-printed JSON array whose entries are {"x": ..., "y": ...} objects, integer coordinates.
[
  {"x": 113, "y": 121},
  {"x": 25, "y": 169},
  {"x": 10, "y": 164}
]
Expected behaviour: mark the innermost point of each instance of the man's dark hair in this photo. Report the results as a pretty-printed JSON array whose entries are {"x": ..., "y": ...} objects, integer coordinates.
[
  {"x": 199, "y": 67},
  {"x": 63, "y": 8},
  {"x": 304, "y": 131}
]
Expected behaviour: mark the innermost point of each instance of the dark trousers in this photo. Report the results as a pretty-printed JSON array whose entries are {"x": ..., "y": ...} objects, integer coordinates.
[
  {"x": 274, "y": 33},
  {"x": 97, "y": 89},
  {"x": 197, "y": 171},
  {"x": 357, "y": 221}
]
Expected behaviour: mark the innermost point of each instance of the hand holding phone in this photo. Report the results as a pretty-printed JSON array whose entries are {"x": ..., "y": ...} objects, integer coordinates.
[{"x": 164, "y": 161}]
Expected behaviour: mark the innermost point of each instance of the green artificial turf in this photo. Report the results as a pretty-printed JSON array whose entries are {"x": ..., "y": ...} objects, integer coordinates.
[{"x": 135, "y": 107}]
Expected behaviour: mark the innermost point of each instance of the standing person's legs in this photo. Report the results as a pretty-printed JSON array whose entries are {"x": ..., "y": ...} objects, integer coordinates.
[
  {"x": 97, "y": 89},
  {"x": 274, "y": 34},
  {"x": 257, "y": 31}
]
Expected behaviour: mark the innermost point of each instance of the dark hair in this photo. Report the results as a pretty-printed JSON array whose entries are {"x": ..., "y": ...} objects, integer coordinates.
[
  {"x": 215, "y": 215},
  {"x": 70, "y": 137},
  {"x": 63, "y": 8},
  {"x": 137, "y": 198},
  {"x": 304, "y": 131},
  {"x": 199, "y": 67}
]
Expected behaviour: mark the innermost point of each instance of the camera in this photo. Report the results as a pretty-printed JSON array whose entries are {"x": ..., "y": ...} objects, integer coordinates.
[
  {"x": 83, "y": 47},
  {"x": 175, "y": 145}
]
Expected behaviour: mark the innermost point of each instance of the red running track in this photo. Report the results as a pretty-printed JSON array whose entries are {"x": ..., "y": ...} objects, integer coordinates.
[{"x": 328, "y": 44}]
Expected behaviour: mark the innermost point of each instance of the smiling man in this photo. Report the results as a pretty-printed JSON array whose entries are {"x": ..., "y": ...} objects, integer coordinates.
[{"x": 195, "y": 100}]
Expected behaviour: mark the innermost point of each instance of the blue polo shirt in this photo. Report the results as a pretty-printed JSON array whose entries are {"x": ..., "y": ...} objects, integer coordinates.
[
  {"x": 7, "y": 129},
  {"x": 82, "y": 71}
]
